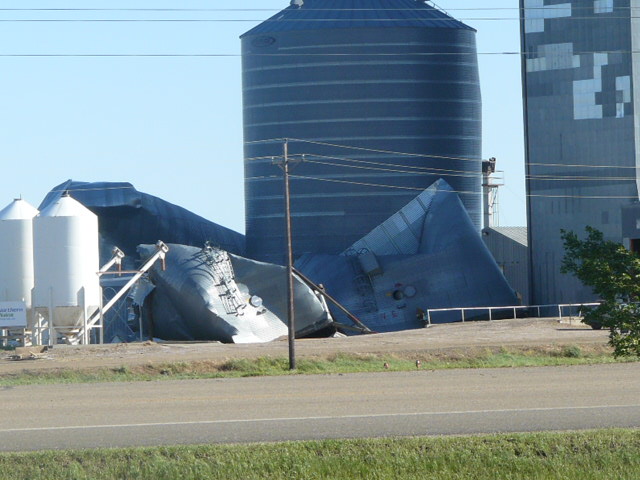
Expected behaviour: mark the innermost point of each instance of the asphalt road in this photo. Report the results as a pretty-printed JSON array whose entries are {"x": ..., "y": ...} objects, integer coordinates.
[{"x": 317, "y": 407}]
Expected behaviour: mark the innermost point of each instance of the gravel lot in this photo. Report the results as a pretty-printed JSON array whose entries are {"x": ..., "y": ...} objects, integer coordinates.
[{"x": 437, "y": 338}]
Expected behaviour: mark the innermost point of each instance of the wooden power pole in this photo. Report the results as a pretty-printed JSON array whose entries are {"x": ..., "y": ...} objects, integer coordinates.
[{"x": 291, "y": 323}]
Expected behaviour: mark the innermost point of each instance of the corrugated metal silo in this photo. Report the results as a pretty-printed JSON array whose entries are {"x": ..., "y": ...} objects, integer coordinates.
[
  {"x": 377, "y": 75},
  {"x": 16, "y": 252},
  {"x": 66, "y": 262}
]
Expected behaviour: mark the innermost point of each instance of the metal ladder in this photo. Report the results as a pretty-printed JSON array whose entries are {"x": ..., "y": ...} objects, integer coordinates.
[{"x": 224, "y": 279}]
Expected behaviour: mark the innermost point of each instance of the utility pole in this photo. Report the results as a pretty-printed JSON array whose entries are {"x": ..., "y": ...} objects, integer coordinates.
[{"x": 291, "y": 323}]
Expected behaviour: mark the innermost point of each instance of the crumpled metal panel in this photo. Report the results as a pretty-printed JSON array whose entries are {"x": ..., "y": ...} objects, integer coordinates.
[
  {"x": 343, "y": 279},
  {"x": 412, "y": 230},
  {"x": 445, "y": 266},
  {"x": 269, "y": 282},
  {"x": 205, "y": 295},
  {"x": 128, "y": 218}
]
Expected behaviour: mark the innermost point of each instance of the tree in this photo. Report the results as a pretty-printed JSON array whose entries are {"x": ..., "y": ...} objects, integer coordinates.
[{"x": 614, "y": 274}]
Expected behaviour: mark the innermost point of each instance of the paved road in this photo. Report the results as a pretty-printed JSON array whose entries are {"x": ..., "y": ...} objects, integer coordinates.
[{"x": 316, "y": 407}]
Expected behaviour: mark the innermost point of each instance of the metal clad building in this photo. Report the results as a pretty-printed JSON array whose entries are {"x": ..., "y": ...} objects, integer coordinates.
[
  {"x": 379, "y": 75},
  {"x": 508, "y": 245},
  {"x": 581, "y": 129}
]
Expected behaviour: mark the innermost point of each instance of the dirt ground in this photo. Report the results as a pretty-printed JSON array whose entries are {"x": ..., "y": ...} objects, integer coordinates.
[{"x": 437, "y": 338}]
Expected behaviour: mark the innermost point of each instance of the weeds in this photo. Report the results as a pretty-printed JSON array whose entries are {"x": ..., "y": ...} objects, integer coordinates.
[
  {"x": 594, "y": 455},
  {"x": 333, "y": 364}
]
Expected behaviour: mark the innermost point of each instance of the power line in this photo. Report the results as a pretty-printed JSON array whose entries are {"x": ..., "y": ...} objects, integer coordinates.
[
  {"x": 261, "y": 21},
  {"x": 298, "y": 15},
  {"x": 589, "y": 197},
  {"x": 306, "y": 177},
  {"x": 118, "y": 55},
  {"x": 448, "y": 172},
  {"x": 388, "y": 152},
  {"x": 580, "y": 179},
  {"x": 380, "y": 169},
  {"x": 367, "y": 184},
  {"x": 333, "y": 180},
  {"x": 307, "y": 9},
  {"x": 384, "y": 164},
  {"x": 316, "y": 55},
  {"x": 420, "y": 155},
  {"x": 523, "y": 13},
  {"x": 368, "y": 162},
  {"x": 377, "y": 185},
  {"x": 582, "y": 165},
  {"x": 478, "y": 175},
  {"x": 312, "y": 55}
]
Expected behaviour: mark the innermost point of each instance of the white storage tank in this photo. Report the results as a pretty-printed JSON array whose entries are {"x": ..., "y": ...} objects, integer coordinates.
[
  {"x": 66, "y": 262},
  {"x": 16, "y": 252}
]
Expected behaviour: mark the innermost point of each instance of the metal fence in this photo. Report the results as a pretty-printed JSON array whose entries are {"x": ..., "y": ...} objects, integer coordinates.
[{"x": 511, "y": 312}]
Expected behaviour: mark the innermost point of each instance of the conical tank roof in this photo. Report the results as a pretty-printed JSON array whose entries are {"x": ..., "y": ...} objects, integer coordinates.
[
  {"x": 65, "y": 206},
  {"x": 18, "y": 210},
  {"x": 331, "y": 14}
]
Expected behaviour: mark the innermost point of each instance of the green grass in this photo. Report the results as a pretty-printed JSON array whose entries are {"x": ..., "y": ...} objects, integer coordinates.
[
  {"x": 592, "y": 455},
  {"x": 334, "y": 364}
]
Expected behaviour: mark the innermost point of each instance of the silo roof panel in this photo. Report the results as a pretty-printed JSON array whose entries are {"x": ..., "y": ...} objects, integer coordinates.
[
  {"x": 66, "y": 207},
  {"x": 18, "y": 210},
  {"x": 331, "y": 14}
]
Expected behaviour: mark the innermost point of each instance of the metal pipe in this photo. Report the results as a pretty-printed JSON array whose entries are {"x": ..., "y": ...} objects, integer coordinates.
[
  {"x": 118, "y": 255},
  {"x": 323, "y": 292},
  {"x": 84, "y": 339},
  {"x": 52, "y": 334},
  {"x": 101, "y": 321},
  {"x": 160, "y": 254}
]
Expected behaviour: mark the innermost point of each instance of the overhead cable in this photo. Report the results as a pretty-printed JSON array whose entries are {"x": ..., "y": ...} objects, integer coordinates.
[
  {"x": 333, "y": 180},
  {"x": 421, "y": 155}
]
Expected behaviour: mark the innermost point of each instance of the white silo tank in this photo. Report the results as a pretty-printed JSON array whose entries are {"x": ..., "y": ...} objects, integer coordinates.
[
  {"x": 66, "y": 262},
  {"x": 16, "y": 252}
]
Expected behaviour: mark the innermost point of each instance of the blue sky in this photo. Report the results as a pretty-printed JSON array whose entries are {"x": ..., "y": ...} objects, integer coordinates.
[{"x": 172, "y": 126}]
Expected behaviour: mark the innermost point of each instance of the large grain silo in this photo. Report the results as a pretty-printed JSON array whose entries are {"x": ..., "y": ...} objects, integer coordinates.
[{"x": 396, "y": 80}]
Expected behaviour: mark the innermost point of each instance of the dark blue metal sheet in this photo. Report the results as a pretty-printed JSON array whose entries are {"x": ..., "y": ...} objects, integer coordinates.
[
  {"x": 445, "y": 265},
  {"x": 128, "y": 218},
  {"x": 327, "y": 14}
]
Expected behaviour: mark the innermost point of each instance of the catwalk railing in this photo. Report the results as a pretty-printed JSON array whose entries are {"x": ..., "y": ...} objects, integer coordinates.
[{"x": 512, "y": 311}]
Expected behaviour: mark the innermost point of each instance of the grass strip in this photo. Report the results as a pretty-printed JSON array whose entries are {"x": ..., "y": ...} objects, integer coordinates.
[
  {"x": 590, "y": 455},
  {"x": 333, "y": 364}
]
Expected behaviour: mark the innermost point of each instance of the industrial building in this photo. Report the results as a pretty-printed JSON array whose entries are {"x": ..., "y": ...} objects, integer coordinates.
[
  {"x": 379, "y": 99},
  {"x": 375, "y": 106},
  {"x": 509, "y": 248},
  {"x": 54, "y": 285},
  {"x": 582, "y": 129},
  {"x": 58, "y": 278}
]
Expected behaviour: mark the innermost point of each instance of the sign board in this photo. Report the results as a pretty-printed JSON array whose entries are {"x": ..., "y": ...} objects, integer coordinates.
[{"x": 13, "y": 314}]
